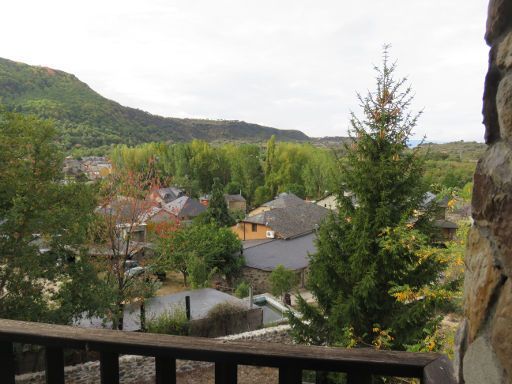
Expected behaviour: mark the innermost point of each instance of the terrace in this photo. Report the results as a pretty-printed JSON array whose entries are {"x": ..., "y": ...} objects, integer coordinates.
[{"x": 291, "y": 360}]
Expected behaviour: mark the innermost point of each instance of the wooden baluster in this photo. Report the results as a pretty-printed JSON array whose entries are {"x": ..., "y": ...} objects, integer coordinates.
[
  {"x": 359, "y": 378},
  {"x": 109, "y": 368},
  {"x": 54, "y": 364},
  {"x": 290, "y": 375},
  {"x": 165, "y": 370},
  {"x": 7, "y": 364},
  {"x": 225, "y": 373}
]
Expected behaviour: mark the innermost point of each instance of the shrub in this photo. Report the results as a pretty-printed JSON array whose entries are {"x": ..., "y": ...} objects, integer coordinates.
[
  {"x": 282, "y": 280},
  {"x": 242, "y": 290},
  {"x": 171, "y": 322}
]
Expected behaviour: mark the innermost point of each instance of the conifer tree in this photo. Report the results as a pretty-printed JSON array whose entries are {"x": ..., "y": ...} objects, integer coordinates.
[
  {"x": 374, "y": 275},
  {"x": 217, "y": 211}
]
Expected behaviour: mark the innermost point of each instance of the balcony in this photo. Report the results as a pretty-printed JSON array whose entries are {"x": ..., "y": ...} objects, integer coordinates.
[{"x": 291, "y": 360}]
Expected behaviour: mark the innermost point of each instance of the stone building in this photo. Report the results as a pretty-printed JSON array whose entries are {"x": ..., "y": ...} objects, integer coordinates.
[{"x": 485, "y": 337}]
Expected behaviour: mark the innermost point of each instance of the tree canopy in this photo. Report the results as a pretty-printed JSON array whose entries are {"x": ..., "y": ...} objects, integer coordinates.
[
  {"x": 374, "y": 275},
  {"x": 44, "y": 225}
]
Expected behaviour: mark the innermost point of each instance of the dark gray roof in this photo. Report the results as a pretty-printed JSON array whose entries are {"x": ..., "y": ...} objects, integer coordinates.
[
  {"x": 431, "y": 198},
  {"x": 284, "y": 200},
  {"x": 293, "y": 220},
  {"x": 292, "y": 253},
  {"x": 170, "y": 193},
  {"x": 185, "y": 207},
  {"x": 201, "y": 301}
]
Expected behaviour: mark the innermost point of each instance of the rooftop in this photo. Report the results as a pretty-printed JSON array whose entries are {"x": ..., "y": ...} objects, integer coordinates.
[
  {"x": 291, "y": 221},
  {"x": 201, "y": 301},
  {"x": 292, "y": 254},
  {"x": 185, "y": 206}
]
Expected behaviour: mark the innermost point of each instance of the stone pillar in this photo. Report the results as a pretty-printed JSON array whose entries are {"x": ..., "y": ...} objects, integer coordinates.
[{"x": 485, "y": 337}]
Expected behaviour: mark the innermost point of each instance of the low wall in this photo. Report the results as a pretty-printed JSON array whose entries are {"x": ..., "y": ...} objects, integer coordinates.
[
  {"x": 141, "y": 370},
  {"x": 247, "y": 320}
]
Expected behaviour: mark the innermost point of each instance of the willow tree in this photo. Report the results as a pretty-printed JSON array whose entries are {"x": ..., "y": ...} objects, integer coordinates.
[{"x": 374, "y": 275}]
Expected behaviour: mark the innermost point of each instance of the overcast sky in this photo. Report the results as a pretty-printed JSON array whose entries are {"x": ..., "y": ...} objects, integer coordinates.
[{"x": 290, "y": 64}]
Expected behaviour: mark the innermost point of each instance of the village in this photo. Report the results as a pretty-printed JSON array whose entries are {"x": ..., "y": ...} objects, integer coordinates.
[
  {"x": 276, "y": 241},
  {"x": 200, "y": 193}
]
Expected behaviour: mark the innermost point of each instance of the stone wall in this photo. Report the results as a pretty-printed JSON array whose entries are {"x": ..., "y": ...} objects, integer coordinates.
[
  {"x": 258, "y": 279},
  {"x": 485, "y": 337},
  {"x": 235, "y": 322},
  {"x": 141, "y": 370}
]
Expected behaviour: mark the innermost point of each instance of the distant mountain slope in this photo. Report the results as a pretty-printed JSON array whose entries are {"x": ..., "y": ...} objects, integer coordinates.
[{"x": 88, "y": 119}]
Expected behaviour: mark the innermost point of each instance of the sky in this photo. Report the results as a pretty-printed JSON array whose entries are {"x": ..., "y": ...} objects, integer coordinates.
[{"x": 289, "y": 64}]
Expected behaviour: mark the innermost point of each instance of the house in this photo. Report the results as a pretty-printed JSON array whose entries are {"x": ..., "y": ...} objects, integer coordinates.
[
  {"x": 448, "y": 228},
  {"x": 329, "y": 202},
  {"x": 263, "y": 256},
  {"x": 285, "y": 222},
  {"x": 165, "y": 195},
  {"x": 235, "y": 203},
  {"x": 184, "y": 208},
  {"x": 96, "y": 167},
  {"x": 284, "y": 200}
]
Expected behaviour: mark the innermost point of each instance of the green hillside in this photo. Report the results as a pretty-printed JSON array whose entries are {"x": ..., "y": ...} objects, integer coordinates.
[
  {"x": 465, "y": 151},
  {"x": 87, "y": 119}
]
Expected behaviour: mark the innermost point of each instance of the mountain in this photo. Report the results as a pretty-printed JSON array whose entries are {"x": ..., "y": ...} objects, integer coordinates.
[{"x": 87, "y": 119}]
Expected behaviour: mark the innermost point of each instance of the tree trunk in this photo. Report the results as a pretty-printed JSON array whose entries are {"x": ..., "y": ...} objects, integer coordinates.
[
  {"x": 142, "y": 317},
  {"x": 120, "y": 316}
]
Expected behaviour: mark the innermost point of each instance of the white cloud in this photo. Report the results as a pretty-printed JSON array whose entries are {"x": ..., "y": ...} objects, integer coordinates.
[{"x": 292, "y": 64}]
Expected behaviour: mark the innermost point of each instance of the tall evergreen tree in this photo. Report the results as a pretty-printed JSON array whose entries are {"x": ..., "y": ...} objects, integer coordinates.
[
  {"x": 375, "y": 278},
  {"x": 217, "y": 211}
]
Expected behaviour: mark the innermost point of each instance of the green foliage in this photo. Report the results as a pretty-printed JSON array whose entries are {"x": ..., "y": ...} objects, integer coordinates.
[
  {"x": 374, "y": 271},
  {"x": 242, "y": 290},
  {"x": 171, "y": 322},
  {"x": 201, "y": 249},
  {"x": 217, "y": 211},
  {"x": 86, "y": 119},
  {"x": 44, "y": 225},
  {"x": 282, "y": 280},
  {"x": 300, "y": 168},
  {"x": 449, "y": 174}
]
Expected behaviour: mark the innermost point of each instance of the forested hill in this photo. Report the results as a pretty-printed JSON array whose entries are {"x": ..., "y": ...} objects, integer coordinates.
[{"x": 87, "y": 119}]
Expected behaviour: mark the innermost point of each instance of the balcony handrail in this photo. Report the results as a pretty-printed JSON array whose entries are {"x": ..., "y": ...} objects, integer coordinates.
[{"x": 291, "y": 360}]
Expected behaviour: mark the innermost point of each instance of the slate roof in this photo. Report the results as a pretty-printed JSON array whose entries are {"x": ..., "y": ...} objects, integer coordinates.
[
  {"x": 125, "y": 209},
  {"x": 284, "y": 200},
  {"x": 292, "y": 254},
  {"x": 201, "y": 301},
  {"x": 169, "y": 194},
  {"x": 430, "y": 199},
  {"x": 293, "y": 220},
  {"x": 185, "y": 207}
]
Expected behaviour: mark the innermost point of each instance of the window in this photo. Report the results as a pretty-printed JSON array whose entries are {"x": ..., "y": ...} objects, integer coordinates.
[{"x": 254, "y": 227}]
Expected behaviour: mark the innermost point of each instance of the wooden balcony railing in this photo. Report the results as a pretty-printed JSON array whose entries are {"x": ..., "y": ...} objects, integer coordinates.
[{"x": 291, "y": 360}]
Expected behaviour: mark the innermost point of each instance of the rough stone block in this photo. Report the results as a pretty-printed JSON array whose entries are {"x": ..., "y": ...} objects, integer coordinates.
[
  {"x": 492, "y": 80},
  {"x": 502, "y": 328},
  {"x": 504, "y": 107},
  {"x": 481, "y": 279},
  {"x": 481, "y": 365},
  {"x": 504, "y": 53},
  {"x": 499, "y": 18}
]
